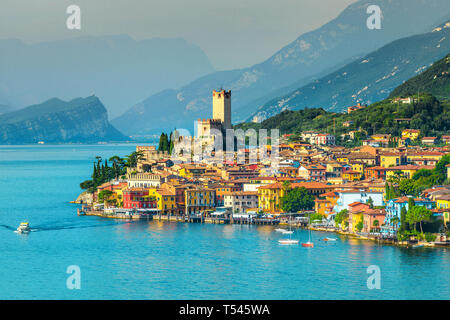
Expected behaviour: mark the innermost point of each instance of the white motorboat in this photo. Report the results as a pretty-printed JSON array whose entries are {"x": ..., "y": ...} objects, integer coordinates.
[
  {"x": 288, "y": 232},
  {"x": 280, "y": 230},
  {"x": 329, "y": 239},
  {"x": 24, "y": 227}
]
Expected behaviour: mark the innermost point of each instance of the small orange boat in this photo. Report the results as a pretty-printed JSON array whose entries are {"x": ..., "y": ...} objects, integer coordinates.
[{"x": 308, "y": 244}]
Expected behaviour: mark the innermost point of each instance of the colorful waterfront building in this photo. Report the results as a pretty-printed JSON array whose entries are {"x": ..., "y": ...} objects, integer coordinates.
[
  {"x": 198, "y": 199},
  {"x": 138, "y": 198},
  {"x": 222, "y": 189},
  {"x": 269, "y": 197},
  {"x": 373, "y": 219},
  {"x": 241, "y": 201},
  {"x": 325, "y": 204},
  {"x": 346, "y": 197},
  {"x": 394, "y": 208},
  {"x": 165, "y": 199},
  {"x": 356, "y": 215}
]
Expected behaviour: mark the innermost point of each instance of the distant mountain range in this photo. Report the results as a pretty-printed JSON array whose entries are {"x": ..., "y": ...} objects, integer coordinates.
[
  {"x": 118, "y": 68},
  {"x": 81, "y": 120},
  {"x": 368, "y": 79},
  {"x": 312, "y": 54},
  {"x": 434, "y": 80}
]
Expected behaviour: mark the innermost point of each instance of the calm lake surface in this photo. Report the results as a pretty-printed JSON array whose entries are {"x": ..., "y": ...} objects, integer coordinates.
[{"x": 156, "y": 260}]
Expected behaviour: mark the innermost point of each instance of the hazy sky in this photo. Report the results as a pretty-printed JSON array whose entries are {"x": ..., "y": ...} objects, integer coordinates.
[{"x": 233, "y": 33}]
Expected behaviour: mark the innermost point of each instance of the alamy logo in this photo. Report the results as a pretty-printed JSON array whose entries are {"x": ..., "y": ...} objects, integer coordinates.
[
  {"x": 74, "y": 280},
  {"x": 374, "y": 280},
  {"x": 374, "y": 20},
  {"x": 74, "y": 20}
]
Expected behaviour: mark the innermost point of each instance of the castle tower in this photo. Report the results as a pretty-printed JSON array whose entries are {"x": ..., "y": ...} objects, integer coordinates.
[{"x": 222, "y": 107}]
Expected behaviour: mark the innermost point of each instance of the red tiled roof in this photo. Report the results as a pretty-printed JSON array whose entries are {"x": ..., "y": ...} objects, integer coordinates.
[{"x": 311, "y": 185}]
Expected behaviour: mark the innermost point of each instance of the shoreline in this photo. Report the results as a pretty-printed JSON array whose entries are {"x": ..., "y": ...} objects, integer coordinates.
[{"x": 241, "y": 221}]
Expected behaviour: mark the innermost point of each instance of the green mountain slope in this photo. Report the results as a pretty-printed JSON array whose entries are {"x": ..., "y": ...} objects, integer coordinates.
[
  {"x": 435, "y": 80},
  {"x": 430, "y": 115}
]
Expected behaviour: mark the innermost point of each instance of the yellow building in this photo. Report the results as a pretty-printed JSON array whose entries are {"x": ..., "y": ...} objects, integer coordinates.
[
  {"x": 165, "y": 199},
  {"x": 381, "y": 137},
  {"x": 355, "y": 219},
  {"x": 424, "y": 155},
  {"x": 443, "y": 203},
  {"x": 342, "y": 158},
  {"x": 191, "y": 171},
  {"x": 325, "y": 205},
  {"x": 198, "y": 200},
  {"x": 406, "y": 170},
  {"x": 269, "y": 197},
  {"x": 357, "y": 166},
  {"x": 411, "y": 134},
  {"x": 390, "y": 159},
  {"x": 351, "y": 175}
]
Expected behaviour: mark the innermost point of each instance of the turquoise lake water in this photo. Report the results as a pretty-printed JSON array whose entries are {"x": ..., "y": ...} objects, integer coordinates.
[{"x": 156, "y": 260}]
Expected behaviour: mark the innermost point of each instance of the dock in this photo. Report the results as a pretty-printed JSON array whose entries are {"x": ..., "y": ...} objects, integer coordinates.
[{"x": 192, "y": 218}]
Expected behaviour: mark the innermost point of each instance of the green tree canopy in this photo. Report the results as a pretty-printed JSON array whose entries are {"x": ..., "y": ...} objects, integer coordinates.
[{"x": 297, "y": 199}]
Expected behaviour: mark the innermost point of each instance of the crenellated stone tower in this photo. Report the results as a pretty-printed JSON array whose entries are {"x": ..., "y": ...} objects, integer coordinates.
[{"x": 222, "y": 107}]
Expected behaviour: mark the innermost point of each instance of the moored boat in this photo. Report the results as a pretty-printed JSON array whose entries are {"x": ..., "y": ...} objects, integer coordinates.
[
  {"x": 287, "y": 241},
  {"x": 290, "y": 240},
  {"x": 308, "y": 244}
]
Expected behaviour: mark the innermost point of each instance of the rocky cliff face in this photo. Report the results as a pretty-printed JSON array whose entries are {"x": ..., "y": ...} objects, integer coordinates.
[{"x": 81, "y": 120}]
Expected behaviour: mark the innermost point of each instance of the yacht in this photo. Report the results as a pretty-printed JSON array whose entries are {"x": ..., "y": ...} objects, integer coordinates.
[{"x": 24, "y": 227}]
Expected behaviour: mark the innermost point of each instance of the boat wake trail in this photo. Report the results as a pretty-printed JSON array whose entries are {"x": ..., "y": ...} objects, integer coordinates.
[
  {"x": 68, "y": 227},
  {"x": 7, "y": 227}
]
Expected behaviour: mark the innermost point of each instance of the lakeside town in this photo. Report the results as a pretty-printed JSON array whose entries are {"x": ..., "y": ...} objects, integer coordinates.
[{"x": 391, "y": 189}]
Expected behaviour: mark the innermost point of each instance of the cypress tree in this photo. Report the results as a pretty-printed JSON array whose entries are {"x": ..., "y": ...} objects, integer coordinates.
[
  {"x": 95, "y": 175},
  {"x": 403, "y": 219}
]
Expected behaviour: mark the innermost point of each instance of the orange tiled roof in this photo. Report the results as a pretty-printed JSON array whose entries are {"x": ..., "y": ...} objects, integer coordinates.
[{"x": 311, "y": 185}]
